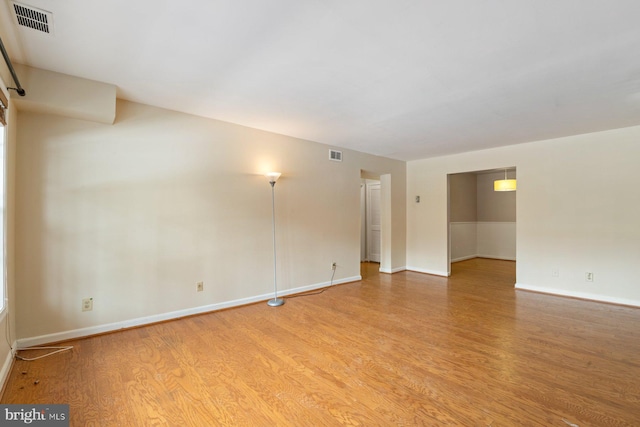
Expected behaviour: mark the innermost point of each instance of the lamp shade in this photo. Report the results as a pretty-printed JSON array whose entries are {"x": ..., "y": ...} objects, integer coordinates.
[
  {"x": 504, "y": 185},
  {"x": 273, "y": 176}
]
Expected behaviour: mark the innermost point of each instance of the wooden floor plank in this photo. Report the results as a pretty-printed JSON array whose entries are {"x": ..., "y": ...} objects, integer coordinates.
[{"x": 404, "y": 349}]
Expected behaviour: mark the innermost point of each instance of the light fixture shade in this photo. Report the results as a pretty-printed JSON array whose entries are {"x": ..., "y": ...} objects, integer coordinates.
[
  {"x": 273, "y": 176},
  {"x": 504, "y": 185}
]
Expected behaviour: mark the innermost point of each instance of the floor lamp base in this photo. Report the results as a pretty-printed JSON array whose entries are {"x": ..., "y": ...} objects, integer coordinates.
[{"x": 275, "y": 302}]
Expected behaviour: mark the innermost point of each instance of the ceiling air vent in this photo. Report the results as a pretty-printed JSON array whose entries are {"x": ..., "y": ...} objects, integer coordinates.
[
  {"x": 30, "y": 17},
  {"x": 335, "y": 155}
]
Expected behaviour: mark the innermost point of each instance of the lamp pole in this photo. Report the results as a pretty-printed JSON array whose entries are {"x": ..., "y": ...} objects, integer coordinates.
[{"x": 275, "y": 301}]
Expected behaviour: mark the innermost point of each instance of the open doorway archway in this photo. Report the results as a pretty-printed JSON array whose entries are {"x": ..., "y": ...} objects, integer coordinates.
[
  {"x": 482, "y": 222},
  {"x": 383, "y": 218},
  {"x": 371, "y": 226}
]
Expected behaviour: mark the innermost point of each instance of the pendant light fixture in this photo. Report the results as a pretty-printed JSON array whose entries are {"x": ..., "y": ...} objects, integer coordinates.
[{"x": 504, "y": 184}]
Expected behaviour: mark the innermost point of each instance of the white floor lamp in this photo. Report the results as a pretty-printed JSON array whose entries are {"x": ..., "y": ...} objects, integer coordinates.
[{"x": 273, "y": 177}]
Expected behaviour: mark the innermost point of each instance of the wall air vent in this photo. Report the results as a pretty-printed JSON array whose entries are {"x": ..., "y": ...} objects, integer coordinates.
[
  {"x": 30, "y": 17},
  {"x": 335, "y": 155}
]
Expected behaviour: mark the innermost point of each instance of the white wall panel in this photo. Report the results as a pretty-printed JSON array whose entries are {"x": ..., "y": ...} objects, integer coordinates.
[
  {"x": 464, "y": 241},
  {"x": 497, "y": 240}
]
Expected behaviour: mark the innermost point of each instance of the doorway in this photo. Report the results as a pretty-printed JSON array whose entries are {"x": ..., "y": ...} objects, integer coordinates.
[
  {"x": 371, "y": 224},
  {"x": 482, "y": 221}
]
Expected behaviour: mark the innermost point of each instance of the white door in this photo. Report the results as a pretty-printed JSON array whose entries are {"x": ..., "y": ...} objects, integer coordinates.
[{"x": 373, "y": 222}]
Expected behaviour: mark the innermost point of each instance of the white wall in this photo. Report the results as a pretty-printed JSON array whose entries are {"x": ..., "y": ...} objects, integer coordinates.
[
  {"x": 56, "y": 93},
  {"x": 496, "y": 240},
  {"x": 572, "y": 213},
  {"x": 134, "y": 214},
  {"x": 474, "y": 239},
  {"x": 464, "y": 240}
]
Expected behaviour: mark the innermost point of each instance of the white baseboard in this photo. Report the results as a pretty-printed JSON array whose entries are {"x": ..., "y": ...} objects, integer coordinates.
[
  {"x": 464, "y": 258},
  {"x": 505, "y": 258},
  {"x": 392, "y": 270},
  {"x": 110, "y": 327},
  {"x": 432, "y": 272},
  {"x": 6, "y": 366},
  {"x": 580, "y": 295}
]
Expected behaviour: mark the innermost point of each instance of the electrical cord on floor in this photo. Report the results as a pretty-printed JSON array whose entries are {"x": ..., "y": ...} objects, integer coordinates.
[
  {"x": 317, "y": 292},
  {"x": 7, "y": 337},
  {"x": 57, "y": 350}
]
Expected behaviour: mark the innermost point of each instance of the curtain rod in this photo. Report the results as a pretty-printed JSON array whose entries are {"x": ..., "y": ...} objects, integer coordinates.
[{"x": 18, "y": 89}]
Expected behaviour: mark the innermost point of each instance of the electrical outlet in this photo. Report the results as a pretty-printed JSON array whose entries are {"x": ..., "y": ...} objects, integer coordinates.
[
  {"x": 87, "y": 304},
  {"x": 200, "y": 286},
  {"x": 334, "y": 265},
  {"x": 588, "y": 276}
]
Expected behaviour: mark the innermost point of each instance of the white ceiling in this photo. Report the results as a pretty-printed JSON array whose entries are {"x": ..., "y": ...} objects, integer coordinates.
[{"x": 405, "y": 79}]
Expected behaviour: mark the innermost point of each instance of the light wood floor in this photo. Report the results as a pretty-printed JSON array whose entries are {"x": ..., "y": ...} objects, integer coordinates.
[{"x": 406, "y": 349}]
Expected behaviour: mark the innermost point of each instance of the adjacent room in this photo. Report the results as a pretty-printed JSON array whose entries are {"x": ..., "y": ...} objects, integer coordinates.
[
  {"x": 320, "y": 213},
  {"x": 482, "y": 215}
]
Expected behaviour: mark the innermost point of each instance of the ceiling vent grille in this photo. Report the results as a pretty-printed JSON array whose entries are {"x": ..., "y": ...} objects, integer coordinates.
[
  {"x": 335, "y": 155},
  {"x": 30, "y": 17}
]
